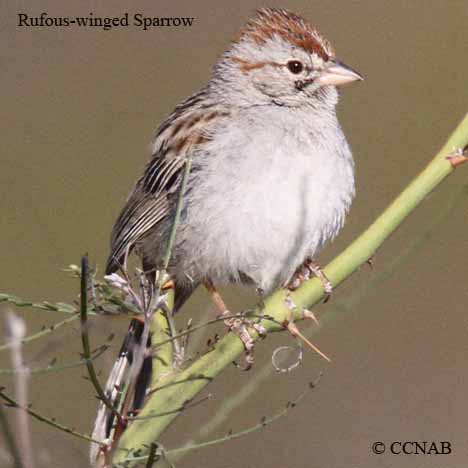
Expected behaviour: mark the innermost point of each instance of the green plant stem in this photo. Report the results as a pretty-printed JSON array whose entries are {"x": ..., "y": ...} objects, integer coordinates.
[
  {"x": 56, "y": 368},
  {"x": 264, "y": 422},
  {"x": 178, "y": 211},
  {"x": 185, "y": 385},
  {"x": 49, "y": 421},
  {"x": 162, "y": 366},
  {"x": 337, "y": 308},
  {"x": 85, "y": 338},
  {"x": 151, "y": 456},
  {"x": 202, "y": 325},
  {"x": 42, "y": 333},
  {"x": 45, "y": 305}
]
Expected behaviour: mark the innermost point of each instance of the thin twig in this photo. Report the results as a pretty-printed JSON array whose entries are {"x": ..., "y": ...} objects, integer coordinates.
[
  {"x": 178, "y": 212},
  {"x": 45, "y": 305},
  {"x": 50, "y": 421},
  {"x": 102, "y": 287},
  {"x": 265, "y": 421},
  {"x": 152, "y": 455},
  {"x": 45, "y": 331},
  {"x": 222, "y": 318},
  {"x": 55, "y": 368},
  {"x": 85, "y": 339},
  {"x": 188, "y": 405},
  {"x": 168, "y": 254},
  {"x": 197, "y": 339}
]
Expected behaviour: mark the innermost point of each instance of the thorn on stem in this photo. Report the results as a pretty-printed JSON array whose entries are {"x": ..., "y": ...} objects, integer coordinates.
[
  {"x": 292, "y": 328},
  {"x": 308, "y": 314}
]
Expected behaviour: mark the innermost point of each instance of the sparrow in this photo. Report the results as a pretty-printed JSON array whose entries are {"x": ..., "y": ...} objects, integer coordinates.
[
  {"x": 271, "y": 179},
  {"x": 272, "y": 175}
]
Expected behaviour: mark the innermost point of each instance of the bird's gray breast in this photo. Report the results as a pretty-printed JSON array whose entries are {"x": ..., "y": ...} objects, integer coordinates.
[{"x": 263, "y": 197}]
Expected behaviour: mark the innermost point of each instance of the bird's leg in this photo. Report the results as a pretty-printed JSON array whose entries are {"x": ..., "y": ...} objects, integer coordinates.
[
  {"x": 216, "y": 297},
  {"x": 238, "y": 325}
]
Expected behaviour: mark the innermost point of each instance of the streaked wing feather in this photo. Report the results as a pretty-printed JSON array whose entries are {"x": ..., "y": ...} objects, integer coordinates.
[
  {"x": 149, "y": 203},
  {"x": 136, "y": 219}
]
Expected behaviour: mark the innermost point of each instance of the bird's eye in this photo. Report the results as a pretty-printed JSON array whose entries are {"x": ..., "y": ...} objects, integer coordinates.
[{"x": 294, "y": 66}]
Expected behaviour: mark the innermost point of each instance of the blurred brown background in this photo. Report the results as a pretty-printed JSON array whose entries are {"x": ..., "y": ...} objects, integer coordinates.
[{"x": 79, "y": 107}]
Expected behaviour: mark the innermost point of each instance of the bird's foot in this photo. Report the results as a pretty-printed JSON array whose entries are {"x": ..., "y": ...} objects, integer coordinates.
[
  {"x": 240, "y": 325},
  {"x": 326, "y": 283},
  {"x": 305, "y": 272}
]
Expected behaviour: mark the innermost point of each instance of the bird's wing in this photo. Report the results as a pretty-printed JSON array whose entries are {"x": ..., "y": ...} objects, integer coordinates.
[
  {"x": 150, "y": 202},
  {"x": 147, "y": 205}
]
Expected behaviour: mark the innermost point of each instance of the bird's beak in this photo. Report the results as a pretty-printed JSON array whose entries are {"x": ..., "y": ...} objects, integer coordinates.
[{"x": 338, "y": 74}]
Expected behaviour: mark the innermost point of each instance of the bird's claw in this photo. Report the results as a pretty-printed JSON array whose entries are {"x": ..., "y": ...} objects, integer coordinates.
[
  {"x": 305, "y": 272},
  {"x": 318, "y": 272},
  {"x": 240, "y": 325},
  {"x": 308, "y": 314}
]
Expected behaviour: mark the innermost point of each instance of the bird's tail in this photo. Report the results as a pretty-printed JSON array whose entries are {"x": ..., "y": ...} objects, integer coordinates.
[{"x": 126, "y": 397}]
